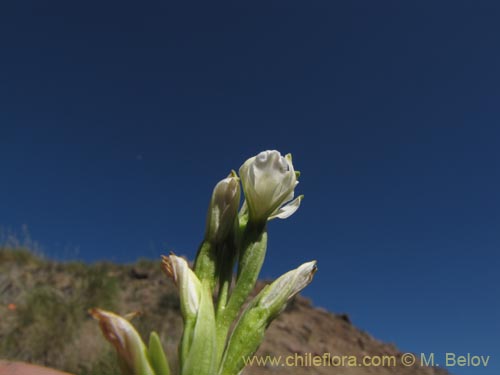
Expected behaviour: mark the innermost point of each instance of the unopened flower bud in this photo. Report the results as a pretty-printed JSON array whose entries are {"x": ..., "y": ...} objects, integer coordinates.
[
  {"x": 275, "y": 296},
  {"x": 223, "y": 208},
  {"x": 249, "y": 332},
  {"x": 189, "y": 285},
  {"x": 122, "y": 335}
]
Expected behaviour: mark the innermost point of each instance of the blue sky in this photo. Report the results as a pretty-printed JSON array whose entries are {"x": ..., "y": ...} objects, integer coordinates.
[{"x": 117, "y": 119}]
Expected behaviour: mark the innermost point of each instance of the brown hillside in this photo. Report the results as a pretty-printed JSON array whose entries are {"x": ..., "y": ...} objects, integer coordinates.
[{"x": 44, "y": 320}]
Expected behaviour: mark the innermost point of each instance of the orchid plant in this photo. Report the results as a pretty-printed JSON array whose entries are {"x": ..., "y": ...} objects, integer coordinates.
[{"x": 220, "y": 328}]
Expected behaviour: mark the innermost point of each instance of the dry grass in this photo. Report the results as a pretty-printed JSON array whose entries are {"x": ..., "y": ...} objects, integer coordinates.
[
  {"x": 44, "y": 319},
  {"x": 44, "y": 309}
]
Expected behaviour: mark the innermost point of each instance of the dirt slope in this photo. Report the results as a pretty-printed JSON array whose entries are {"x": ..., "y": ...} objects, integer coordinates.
[{"x": 43, "y": 320}]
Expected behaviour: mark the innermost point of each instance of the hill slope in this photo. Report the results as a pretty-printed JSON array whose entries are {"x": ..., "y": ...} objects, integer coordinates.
[{"x": 44, "y": 320}]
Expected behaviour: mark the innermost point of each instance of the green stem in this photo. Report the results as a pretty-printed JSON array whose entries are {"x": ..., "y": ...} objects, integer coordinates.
[
  {"x": 225, "y": 272},
  {"x": 186, "y": 339},
  {"x": 253, "y": 252}
]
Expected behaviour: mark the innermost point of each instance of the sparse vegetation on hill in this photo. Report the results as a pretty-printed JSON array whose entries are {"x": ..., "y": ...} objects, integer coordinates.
[{"x": 44, "y": 318}]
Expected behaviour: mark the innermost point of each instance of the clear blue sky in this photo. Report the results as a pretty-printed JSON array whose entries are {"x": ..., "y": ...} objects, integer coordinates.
[{"x": 118, "y": 118}]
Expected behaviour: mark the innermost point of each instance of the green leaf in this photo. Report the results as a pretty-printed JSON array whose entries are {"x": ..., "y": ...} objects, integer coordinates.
[
  {"x": 200, "y": 358},
  {"x": 205, "y": 264},
  {"x": 157, "y": 356}
]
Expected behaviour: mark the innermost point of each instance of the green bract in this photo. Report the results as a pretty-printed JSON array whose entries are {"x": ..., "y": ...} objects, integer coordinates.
[{"x": 214, "y": 342}]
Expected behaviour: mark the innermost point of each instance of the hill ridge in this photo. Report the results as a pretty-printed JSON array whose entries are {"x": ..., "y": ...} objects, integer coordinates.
[{"x": 44, "y": 307}]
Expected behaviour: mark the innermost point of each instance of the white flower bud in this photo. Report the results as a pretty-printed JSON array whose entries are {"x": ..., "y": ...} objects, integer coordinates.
[
  {"x": 189, "y": 285},
  {"x": 288, "y": 285},
  {"x": 223, "y": 208}
]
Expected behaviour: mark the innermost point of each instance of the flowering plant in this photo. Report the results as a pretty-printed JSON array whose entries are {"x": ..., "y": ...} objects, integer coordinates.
[{"x": 219, "y": 331}]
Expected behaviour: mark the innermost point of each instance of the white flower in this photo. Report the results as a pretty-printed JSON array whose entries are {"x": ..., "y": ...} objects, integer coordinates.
[
  {"x": 127, "y": 342},
  {"x": 269, "y": 182},
  {"x": 188, "y": 283}
]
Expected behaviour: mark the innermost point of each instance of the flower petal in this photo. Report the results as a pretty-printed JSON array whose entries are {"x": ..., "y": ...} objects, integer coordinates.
[
  {"x": 288, "y": 209},
  {"x": 268, "y": 181}
]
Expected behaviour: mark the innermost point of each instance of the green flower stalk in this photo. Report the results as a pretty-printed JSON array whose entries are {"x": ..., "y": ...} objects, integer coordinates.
[
  {"x": 269, "y": 182},
  {"x": 217, "y": 335}
]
